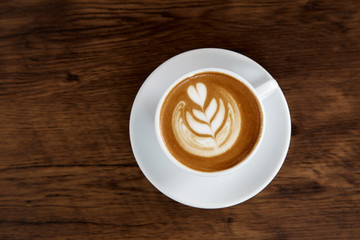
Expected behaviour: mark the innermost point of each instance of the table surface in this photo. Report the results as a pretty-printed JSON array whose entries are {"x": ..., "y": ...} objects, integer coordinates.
[{"x": 70, "y": 70}]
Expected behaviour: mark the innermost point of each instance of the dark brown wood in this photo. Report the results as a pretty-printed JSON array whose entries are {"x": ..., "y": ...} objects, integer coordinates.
[{"x": 69, "y": 71}]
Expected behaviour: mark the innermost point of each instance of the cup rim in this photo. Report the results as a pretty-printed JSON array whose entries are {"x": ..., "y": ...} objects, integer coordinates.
[{"x": 181, "y": 165}]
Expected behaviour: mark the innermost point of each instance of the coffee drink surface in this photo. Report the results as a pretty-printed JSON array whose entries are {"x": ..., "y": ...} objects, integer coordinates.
[{"x": 210, "y": 121}]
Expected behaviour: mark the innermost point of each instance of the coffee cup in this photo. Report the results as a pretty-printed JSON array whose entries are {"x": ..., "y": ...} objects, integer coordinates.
[{"x": 211, "y": 121}]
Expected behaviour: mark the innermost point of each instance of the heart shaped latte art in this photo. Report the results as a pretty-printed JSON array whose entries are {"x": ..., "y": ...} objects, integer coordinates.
[{"x": 210, "y": 130}]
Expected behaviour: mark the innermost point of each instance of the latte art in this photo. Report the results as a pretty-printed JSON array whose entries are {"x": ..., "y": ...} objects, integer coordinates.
[
  {"x": 207, "y": 130},
  {"x": 210, "y": 121}
]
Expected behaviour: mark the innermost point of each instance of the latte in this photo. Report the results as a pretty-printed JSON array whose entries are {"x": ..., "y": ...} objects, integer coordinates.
[{"x": 210, "y": 121}]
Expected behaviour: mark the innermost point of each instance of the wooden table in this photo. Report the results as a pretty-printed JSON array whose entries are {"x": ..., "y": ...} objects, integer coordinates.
[{"x": 70, "y": 70}]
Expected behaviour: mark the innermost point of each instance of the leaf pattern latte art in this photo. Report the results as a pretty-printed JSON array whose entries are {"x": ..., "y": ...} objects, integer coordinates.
[{"x": 207, "y": 130}]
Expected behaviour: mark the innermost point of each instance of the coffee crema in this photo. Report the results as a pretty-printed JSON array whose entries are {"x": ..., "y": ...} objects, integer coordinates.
[{"x": 210, "y": 121}]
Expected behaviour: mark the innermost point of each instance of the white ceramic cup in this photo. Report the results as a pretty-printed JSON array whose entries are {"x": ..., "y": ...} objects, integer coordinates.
[{"x": 260, "y": 92}]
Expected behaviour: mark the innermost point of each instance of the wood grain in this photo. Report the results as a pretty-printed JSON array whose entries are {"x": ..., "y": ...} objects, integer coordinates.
[{"x": 69, "y": 71}]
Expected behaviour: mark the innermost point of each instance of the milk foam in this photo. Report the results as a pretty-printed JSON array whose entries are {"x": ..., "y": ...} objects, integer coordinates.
[{"x": 208, "y": 130}]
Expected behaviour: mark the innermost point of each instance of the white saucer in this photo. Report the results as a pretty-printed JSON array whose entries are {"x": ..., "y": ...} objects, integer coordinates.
[{"x": 199, "y": 191}]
